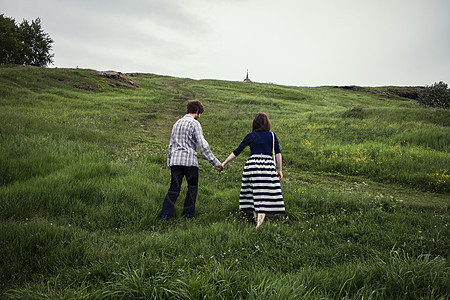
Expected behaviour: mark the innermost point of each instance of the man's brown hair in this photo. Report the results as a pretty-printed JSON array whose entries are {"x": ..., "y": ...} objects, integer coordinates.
[
  {"x": 261, "y": 123},
  {"x": 195, "y": 106}
]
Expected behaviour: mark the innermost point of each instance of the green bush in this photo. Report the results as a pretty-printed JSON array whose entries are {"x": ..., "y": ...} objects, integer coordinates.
[{"x": 436, "y": 95}]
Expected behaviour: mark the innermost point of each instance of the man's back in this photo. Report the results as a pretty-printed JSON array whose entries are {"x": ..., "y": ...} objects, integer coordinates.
[{"x": 183, "y": 146}]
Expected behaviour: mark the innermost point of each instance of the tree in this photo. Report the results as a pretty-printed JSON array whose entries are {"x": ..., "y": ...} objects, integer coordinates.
[
  {"x": 9, "y": 42},
  {"x": 436, "y": 95},
  {"x": 36, "y": 44},
  {"x": 25, "y": 44}
]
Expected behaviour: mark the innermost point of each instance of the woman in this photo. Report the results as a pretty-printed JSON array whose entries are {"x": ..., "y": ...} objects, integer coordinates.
[{"x": 260, "y": 188}]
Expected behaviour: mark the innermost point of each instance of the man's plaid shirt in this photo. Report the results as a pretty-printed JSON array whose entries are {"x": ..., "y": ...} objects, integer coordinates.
[{"x": 187, "y": 134}]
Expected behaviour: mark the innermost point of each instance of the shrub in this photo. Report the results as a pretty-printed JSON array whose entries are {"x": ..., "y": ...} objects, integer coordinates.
[{"x": 436, "y": 95}]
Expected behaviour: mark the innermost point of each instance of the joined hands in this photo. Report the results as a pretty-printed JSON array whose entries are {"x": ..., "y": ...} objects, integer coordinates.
[{"x": 219, "y": 167}]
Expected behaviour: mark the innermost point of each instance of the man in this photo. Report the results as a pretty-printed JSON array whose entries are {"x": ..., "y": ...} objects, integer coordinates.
[{"x": 187, "y": 134}]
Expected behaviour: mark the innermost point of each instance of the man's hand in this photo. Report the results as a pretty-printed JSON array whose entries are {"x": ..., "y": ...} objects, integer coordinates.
[{"x": 219, "y": 168}]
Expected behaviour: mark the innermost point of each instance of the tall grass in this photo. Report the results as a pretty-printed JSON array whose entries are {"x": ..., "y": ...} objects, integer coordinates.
[
  {"x": 410, "y": 153},
  {"x": 83, "y": 176}
]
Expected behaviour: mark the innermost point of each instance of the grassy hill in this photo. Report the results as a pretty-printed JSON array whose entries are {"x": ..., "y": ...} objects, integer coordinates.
[{"x": 83, "y": 175}]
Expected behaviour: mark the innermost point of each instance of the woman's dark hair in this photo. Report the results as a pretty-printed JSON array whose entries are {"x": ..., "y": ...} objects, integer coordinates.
[
  {"x": 195, "y": 106},
  {"x": 261, "y": 123}
]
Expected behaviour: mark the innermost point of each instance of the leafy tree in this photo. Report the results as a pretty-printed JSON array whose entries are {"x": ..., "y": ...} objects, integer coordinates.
[
  {"x": 25, "y": 44},
  {"x": 436, "y": 95},
  {"x": 36, "y": 44},
  {"x": 9, "y": 42}
]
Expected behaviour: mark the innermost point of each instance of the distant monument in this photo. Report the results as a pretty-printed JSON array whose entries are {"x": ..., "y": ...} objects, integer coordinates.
[{"x": 247, "y": 79}]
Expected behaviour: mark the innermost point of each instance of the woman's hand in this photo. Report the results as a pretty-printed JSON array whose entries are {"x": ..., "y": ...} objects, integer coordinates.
[
  {"x": 280, "y": 165},
  {"x": 280, "y": 174}
]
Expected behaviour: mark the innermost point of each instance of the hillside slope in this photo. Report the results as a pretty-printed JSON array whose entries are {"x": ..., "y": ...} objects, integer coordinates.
[{"x": 83, "y": 174}]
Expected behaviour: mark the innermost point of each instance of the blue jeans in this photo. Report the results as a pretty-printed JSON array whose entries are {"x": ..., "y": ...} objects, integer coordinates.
[{"x": 177, "y": 174}]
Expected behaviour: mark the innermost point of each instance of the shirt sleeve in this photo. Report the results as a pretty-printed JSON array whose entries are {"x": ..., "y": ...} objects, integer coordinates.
[
  {"x": 245, "y": 142},
  {"x": 169, "y": 155},
  {"x": 203, "y": 145},
  {"x": 277, "y": 146}
]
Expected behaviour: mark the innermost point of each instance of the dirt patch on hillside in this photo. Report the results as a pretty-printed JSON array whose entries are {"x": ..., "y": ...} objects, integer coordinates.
[
  {"x": 349, "y": 87},
  {"x": 388, "y": 92},
  {"x": 407, "y": 92},
  {"x": 117, "y": 79},
  {"x": 380, "y": 93},
  {"x": 86, "y": 87}
]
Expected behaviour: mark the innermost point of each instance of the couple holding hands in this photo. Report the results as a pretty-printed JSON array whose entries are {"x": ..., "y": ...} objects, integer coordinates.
[{"x": 260, "y": 188}]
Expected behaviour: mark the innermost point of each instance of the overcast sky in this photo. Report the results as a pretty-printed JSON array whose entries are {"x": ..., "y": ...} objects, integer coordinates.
[{"x": 289, "y": 42}]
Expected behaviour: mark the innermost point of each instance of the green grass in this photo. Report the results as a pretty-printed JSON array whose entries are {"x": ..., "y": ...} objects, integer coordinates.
[{"x": 83, "y": 176}]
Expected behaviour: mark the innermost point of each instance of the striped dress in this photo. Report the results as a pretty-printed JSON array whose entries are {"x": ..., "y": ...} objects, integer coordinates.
[{"x": 260, "y": 187}]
